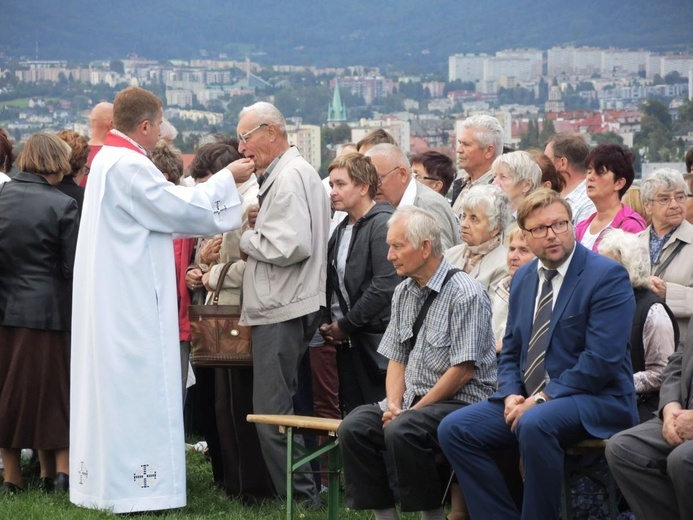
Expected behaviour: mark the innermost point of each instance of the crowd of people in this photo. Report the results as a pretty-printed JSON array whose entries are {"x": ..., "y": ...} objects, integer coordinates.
[{"x": 548, "y": 301}]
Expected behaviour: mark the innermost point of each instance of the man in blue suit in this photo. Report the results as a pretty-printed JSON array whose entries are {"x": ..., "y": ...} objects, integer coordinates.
[{"x": 564, "y": 372}]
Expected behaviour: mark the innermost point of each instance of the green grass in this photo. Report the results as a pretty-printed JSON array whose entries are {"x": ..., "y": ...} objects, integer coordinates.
[
  {"x": 204, "y": 502},
  {"x": 19, "y": 103}
]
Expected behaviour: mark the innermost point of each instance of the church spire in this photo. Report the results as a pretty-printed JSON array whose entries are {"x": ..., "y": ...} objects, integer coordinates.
[{"x": 336, "y": 111}]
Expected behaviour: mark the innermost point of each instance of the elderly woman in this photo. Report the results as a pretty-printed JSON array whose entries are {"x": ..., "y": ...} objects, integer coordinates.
[
  {"x": 485, "y": 214},
  {"x": 517, "y": 174},
  {"x": 654, "y": 332},
  {"x": 518, "y": 255},
  {"x": 38, "y": 252},
  {"x": 70, "y": 185},
  {"x": 360, "y": 280},
  {"x": 670, "y": 241},
  {"x": 609, "y": 175}
]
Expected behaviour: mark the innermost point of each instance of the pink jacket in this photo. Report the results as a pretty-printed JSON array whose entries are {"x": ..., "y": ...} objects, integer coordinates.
[{"x": 626, "y": 219}]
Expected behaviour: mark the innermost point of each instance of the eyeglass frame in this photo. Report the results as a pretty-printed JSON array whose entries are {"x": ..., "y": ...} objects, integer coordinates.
[
  {"x": 381, "y": 177},
  {"x": 243, "y": 138},
  {"x": 418, "y": 176},
  {"x": 565, "y": 223},
  {"x": 682, "y": 195}
]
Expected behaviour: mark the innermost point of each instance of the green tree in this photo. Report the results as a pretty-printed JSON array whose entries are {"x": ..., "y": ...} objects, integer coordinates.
[
  {"x": 530, "y": 139},
  {"x": 658, "y": 110},
  {"x": 547, "y": 131},
  {"x": 686, "y": 114},
  {"x": 117, "y": 66},
  {"x": 607, "y": 137}
]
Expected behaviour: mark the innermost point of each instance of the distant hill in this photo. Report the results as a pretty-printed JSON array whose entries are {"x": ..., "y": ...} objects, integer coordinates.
[{"x": 416, "y": 35}]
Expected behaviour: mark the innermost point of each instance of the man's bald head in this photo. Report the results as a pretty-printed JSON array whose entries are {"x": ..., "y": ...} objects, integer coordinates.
[{"x": 101, "y": 119}]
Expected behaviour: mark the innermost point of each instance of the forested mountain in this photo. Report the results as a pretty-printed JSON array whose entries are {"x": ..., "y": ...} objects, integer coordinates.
[{"x": 410, "y": 34}]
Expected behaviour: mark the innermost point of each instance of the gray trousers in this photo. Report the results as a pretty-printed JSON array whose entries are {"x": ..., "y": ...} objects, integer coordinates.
[
  {"x": 277, "y": 352},
  {"x": 410, "y": 443},
  {"x": 654, "y": 477}
]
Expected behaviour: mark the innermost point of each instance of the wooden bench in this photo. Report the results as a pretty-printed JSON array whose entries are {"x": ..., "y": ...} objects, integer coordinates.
[
  {"x": 573, "y": 470},
  {"x": 299, "y": 424}
]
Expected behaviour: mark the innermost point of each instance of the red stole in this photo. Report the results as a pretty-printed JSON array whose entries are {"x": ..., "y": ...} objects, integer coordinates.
[{"x": 117, "y": 140}]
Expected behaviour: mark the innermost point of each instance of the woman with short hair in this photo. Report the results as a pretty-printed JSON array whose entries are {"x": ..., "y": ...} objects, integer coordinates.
[
  {"x": 670, "y": 241},
  {"x": 360, "y": 281},
  {"x": 71, "y": 183},
  {"x": 38, "y": 237},
  {"x": 517, "y": 174},
  {"x": 485, "y": 214},
  {"x": 609, "y": 175}
]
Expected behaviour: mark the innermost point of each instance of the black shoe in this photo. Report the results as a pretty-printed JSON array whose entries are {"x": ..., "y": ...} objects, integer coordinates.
[
  {"x": 46, "y": 485},
  {"x": 9, "y": 489},
  {"x": 61, "y": 483}
]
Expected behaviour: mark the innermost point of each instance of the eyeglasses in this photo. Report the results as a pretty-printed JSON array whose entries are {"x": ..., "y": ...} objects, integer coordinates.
[
  {"x": 417, "y": 176},
  {"x": 381, "y": 177},
  {"x": 664, "y": 200},
  {"x": 246, "y": 136},
  {"x": 557, "y": 227}
]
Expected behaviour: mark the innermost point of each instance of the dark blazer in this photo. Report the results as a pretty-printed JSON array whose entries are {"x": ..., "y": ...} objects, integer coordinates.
[
  {"x": 588, "y": 356},
  {"x": 38, "y": 237},
  {"x": 678, "y": 373},
  {"x": 69, "y": 187},
  {"x": 370, "y": 279}
]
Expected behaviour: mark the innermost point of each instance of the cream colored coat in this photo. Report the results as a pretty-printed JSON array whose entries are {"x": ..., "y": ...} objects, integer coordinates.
[{"x": 678, "y": 274}]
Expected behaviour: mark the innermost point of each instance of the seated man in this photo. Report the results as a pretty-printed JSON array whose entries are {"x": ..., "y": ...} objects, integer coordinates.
[
  {"x": 652, "y": 461},
  {"x": 564, "y": 372},
  {"x": 448, "y": 363}
]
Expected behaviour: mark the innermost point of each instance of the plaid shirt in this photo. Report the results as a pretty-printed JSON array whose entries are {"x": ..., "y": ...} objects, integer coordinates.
[{"x": 457, "y": 328}]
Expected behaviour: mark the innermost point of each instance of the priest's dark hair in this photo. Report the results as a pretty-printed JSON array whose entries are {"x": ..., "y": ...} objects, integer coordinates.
[{"x": 133, "y": 105}]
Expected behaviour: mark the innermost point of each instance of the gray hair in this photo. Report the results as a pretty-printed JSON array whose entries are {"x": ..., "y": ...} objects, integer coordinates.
[
  {"x": 521, "y": 166},
  {"x": 391, "y": 152},
  {"x": 631, "y": 252},
  {"x": 420, "y": 225},
  {"x": 493, "y": 201},
  {"x": 666, "y": 179},
  {"x": 268, "y": 113},
  {"x": 488, "y": 131}
]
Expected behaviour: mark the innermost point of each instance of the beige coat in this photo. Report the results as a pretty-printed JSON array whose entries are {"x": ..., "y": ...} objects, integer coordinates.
[
  {"x": 230, "y": 252},
  {"x": 678, "y": 274},
  {"x": 287, "y": 251},
  {"x": 490, "y": 270}
]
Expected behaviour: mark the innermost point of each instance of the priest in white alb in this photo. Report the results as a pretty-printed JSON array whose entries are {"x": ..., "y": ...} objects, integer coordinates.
[{"x": 126, "y": 418}]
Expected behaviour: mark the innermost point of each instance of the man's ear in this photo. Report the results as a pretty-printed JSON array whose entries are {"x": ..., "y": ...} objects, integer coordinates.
[{"x": 426, "y": 248}]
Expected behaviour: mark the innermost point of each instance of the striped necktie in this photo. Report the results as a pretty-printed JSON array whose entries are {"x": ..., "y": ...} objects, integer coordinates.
[{"x": 534, "y": 365}]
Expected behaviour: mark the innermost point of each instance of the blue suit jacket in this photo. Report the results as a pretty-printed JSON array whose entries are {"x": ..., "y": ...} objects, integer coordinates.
[{"x": 588, "y": 355}]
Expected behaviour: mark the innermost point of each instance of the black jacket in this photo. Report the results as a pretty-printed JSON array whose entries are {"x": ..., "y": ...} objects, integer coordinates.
[
  {"x": 38, "y": 237},
  {"x": 370, "y": 278}
]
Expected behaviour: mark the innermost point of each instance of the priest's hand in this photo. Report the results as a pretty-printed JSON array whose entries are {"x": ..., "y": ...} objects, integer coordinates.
[
  {"x": 242, "y": 169},
  {"x": 683, "y": 424}
]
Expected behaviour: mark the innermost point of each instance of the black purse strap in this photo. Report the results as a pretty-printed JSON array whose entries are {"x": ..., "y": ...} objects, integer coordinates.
[
  {"x": 220, "y": 282},
  {"x": 427, "y": 304},
  {"x": 661, "y": 267}
]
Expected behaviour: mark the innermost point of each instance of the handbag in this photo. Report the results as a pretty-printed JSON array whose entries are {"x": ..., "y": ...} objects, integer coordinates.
[{"x": 217, "y": 338}]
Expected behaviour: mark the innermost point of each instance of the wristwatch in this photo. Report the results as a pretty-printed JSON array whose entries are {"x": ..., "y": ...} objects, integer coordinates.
[{"x": 539, "y": 399}]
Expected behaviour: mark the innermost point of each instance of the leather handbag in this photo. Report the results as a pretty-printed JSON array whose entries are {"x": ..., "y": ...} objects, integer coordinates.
[{"x": 217, "y": 338}]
